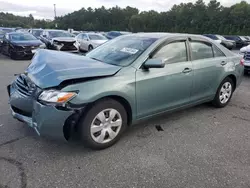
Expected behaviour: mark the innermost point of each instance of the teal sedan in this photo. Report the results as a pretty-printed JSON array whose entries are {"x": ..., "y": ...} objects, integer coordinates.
[{"x": 127, "y": 79}]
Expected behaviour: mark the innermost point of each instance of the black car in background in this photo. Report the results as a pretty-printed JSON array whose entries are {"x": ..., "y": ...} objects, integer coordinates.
[
  {"x": 19, "y": 45},
  {"x": 239, "y": 42},
  {"x": 113, "y": 34},
  {"x": 229, "y": 44},
  {"x": 1, "y": 39}
]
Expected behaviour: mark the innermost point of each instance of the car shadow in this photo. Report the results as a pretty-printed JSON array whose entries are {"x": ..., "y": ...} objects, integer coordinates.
[{"x": 75, "y": 146}]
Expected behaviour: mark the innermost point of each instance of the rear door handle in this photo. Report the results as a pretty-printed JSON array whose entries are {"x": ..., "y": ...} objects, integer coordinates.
[
  {"x": 187, "y": 70},
  {"x": 223, "y": 63}
]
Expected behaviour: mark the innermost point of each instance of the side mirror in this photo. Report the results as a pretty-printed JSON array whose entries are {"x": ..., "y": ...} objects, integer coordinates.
[{"x": 154, "y": 63}]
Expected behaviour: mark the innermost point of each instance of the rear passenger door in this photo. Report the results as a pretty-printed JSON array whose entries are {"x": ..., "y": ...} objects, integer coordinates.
[{"x": 208, "y": 65}]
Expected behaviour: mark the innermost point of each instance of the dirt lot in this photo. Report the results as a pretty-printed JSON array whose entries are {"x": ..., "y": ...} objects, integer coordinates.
[{"x": 199, "y": 147}]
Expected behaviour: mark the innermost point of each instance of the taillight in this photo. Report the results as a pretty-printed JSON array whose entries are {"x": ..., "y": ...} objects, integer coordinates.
[{"x": 242, "y": 62}]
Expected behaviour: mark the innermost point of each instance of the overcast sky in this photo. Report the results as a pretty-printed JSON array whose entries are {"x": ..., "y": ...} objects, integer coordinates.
[{"x": 44, "y": 8}]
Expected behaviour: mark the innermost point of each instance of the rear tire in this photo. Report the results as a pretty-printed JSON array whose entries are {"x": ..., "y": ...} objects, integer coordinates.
[
  {"x": 224, "y": 93},
  {"x": 103, "y": 124},
  {"x": 90, "y": 48}
]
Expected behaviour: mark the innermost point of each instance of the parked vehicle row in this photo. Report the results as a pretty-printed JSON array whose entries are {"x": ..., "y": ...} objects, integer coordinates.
[
  {"x": 230, "y": 41},
  {"x": 59, "y": 40},
  {"x": 125, "y": 80}
]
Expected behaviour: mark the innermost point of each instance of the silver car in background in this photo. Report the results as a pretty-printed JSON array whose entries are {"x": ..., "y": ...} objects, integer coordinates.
[{"x": 89, "y": 41}]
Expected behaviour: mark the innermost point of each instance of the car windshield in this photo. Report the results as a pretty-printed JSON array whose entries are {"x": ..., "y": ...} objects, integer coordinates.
[
  {"x": 220, "y": 37},
  {"x": 121, "y": 51},
  {"x": 115, "y": 34},
  {"x": 37, "y": 33},
  {"x": 96, "y": 37},
  {"x": 22, "y": 37},
  {"x": 54, "y": 34},
  {"x": 242, "y": 38}
]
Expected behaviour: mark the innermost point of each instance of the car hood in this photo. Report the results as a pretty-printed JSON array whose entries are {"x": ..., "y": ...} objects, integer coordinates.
[
  {"x": 27, "y": 43},
  {"x": 64, "y": 39},
  {"x": 50, "y": 68}
]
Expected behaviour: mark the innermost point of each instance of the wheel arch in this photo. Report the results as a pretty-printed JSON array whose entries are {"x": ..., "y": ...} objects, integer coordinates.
[
  {"x": 122, "y": 100},
  {"x": 234, "y": 79}
]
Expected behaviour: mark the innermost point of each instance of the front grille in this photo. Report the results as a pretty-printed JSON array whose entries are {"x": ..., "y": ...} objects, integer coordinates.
[
  {"x": 22, "y": 112},
  {"x": 68, "y": 47},
  {"x": 247, "y": 56},
  {"x": 24, "y": 85}
]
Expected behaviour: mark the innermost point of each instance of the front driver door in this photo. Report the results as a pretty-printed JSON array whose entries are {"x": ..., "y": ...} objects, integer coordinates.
[{"x": 162, "y": 89}]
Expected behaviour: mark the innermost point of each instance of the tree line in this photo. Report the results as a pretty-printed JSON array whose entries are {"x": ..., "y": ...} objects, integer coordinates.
[{"x": 197, "y": 17}]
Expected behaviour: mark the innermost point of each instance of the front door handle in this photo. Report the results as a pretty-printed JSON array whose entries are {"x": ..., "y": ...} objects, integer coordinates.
[
  {"x": 223, "y": 63},
  {"x": 187, "y": 70}
]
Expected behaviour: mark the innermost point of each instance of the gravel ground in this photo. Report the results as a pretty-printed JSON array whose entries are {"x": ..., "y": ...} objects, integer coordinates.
[{"x": 198, "y": 147}]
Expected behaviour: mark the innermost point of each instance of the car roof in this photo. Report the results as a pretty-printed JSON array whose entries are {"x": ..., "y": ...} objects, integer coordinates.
[
  {"x": 164, "y": 35},
  {"x": 92, "y": 33},
  {"x": 54, "y": 30},
  {"x": 14, "y": 32}
]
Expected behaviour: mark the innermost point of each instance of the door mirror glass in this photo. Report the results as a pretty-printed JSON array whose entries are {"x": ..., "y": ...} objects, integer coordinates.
[{"x": 154, "y": 63}]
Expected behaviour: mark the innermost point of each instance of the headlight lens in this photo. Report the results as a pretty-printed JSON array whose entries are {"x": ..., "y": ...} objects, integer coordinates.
[
  {"x": 54, "y": 96},
  {"x": 57, "y": 43}
]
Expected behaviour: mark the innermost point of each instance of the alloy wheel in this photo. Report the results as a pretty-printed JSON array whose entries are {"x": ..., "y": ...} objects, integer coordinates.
[
  {"x": 225, "y": 92},
  {"x": 106, "y": 126}
]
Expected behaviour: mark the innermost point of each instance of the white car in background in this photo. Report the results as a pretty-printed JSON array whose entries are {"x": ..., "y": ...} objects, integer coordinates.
[
  {"x": 246, "y": 52},
  {"x": 89, "y": 41}
]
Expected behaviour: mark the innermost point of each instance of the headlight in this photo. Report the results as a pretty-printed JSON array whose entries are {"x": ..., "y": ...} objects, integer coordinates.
[
  {"x": 54, "y": 96},
  {"x": 57, "y": 43}
]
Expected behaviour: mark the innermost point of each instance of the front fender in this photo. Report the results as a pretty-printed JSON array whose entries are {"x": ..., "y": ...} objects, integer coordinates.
[{"x": 119, "y": 86}]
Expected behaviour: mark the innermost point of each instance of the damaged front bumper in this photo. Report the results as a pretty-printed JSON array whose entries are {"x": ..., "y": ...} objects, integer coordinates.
[{"x": 47, "y": 120}]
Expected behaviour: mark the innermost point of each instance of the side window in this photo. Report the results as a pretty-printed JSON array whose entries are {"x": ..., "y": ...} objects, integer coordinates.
[
  {"x": 218, "y": 52},
  {"x": 173, "y": 52},
  {"x": 84, "y": 37},
  {"x": 201, "y": 50}
]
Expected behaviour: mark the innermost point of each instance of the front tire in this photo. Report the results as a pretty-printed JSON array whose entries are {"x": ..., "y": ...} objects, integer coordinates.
[
  {"x": 224, "y": 93},
  {"x": 103, "y": 124},
  {"x": 12, "y": 55}
]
